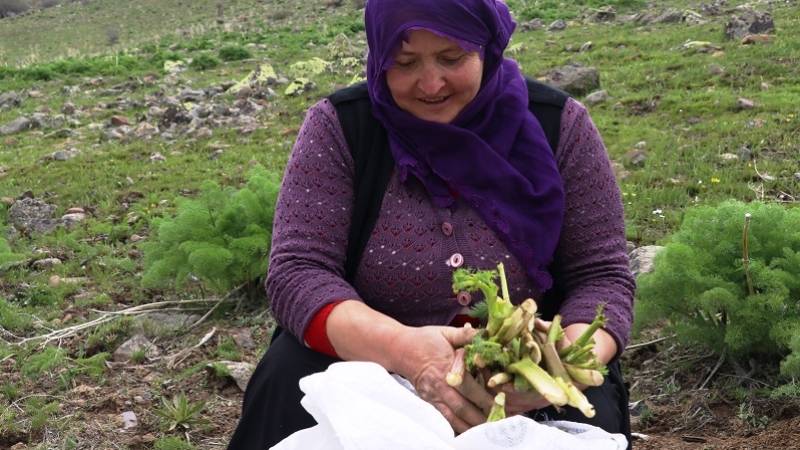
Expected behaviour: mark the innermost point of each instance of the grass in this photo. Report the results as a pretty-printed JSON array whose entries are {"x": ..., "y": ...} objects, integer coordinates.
[{"x": 681, "y": 107}]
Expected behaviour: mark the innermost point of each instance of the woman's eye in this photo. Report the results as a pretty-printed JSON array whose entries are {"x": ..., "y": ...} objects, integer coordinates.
[
  {"x": 403, "y": 64},
  {"x": 450, "y": 60}
]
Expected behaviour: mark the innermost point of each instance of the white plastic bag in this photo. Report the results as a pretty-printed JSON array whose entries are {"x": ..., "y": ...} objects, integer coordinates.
[{"x": 358, "y": 405}]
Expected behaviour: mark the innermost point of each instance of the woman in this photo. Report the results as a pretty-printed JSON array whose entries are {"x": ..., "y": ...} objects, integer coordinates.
[{"x": 474, "y": 182}]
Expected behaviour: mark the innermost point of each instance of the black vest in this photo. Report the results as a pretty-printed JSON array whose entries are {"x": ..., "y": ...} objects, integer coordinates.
[{"x": 369, "y": 146}]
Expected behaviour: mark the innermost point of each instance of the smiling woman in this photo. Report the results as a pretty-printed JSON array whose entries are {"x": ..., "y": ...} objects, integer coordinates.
[
  {"x": 433, "y": 78},
  {"x": 486, "y": 167}
]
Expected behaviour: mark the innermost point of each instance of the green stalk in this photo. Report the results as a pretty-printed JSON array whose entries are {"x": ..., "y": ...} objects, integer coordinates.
[
  {"x": 585, "y": 338},
  {"x": 541, "y": 381}
]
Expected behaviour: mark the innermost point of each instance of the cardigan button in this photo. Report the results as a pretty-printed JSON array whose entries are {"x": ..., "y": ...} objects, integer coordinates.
[
  {"x": 447, "y": 228},
  {"x": 455, "y": 261},
  {"x": 464, "y": 298}
]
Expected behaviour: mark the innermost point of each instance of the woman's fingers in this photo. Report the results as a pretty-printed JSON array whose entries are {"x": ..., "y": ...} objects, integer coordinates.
[
  {"x": 454, "y": 406},
  {"x": 475, "y": 393}
]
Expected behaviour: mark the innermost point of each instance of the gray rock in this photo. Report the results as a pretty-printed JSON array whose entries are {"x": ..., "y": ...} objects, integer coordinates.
[
  {"x": 669, "y": 16},
  {"x": 240, "y": 372},
  {"x": 749, "y": 22},
  {"x": 46, "y": 263},
  {"x": 68, "y": 109},
  {"x": 642, "y": 259},
  {"x": 596, "y": 98},
  {"x": 604, "y": 14},
  {"x": 60, "y": 155},
  {"x": 558, "y": 25},
  {"x": 26, "y": 212},
  {"x": 17, "y": 125},
  {"x": 575, "y": 80},
  {"x": 533, "y": 25},
  {"x": 636, "y": 157},
  {"x": 744, "y": 154},
  {"x": 9, "y": 100},
  {"x": 135, "y": 344},
  {"x": 244, "y": 339},
  {"x": 70, "y": 90}
]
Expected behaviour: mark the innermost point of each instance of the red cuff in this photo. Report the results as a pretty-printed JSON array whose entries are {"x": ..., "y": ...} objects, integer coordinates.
[{"x": 316, "y": 336}]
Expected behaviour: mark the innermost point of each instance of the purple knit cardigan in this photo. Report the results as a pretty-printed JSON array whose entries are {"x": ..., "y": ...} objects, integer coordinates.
[{"x": 406, "y": 270}]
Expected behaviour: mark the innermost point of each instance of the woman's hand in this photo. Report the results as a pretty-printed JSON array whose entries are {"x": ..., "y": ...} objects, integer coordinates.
[
  {"x": 427, "y": 356},
  {"x": 522, "y": 402},
  {"x": 423, "y": 355}
]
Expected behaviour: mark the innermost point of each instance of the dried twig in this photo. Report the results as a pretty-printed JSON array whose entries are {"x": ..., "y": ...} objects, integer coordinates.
[
  {"x": 645, "y": 344},
  {"x": 226, "y": 297},
  {"x": 106, "y": 316},
  {"x": 714, "y": 370}
]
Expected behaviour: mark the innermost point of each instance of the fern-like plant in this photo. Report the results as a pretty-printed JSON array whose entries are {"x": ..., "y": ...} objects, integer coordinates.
[
  {"x": 222, "y": 237},
  {"x": 731, "y": 286}
]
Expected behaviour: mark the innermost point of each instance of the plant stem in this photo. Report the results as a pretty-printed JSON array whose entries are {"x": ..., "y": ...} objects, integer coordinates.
[{"x": 746, "y": 256}]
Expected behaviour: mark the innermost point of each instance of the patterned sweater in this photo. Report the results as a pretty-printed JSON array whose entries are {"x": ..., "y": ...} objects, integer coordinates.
[{"x": 406, "y": 270}]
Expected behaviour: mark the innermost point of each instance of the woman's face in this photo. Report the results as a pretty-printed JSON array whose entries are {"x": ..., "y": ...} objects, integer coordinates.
[{"x": 433, "y": 78}]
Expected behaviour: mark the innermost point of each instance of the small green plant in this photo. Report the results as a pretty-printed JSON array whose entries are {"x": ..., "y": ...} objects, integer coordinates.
[
  {"x": 728, "y": 280},
  {"x": 228, "y": 350},
  {"x": 40, "y": 411},
  {"x": 180, "y": 413},
  {"x": 93, "y": 366},
  {"x": 7, "y": 255},
  {"x": 220, "y": 370},
  {"x": 173, "y": 443},
  {"x": 234, "y": 53},
  {"x": 10, "y": 391},
  {"x": 749, "y": 417},
  {"x": 46, "y": 361},
  {"x": 204, "y": 62},
  {"x": 108, "y": 336},
  {"x": 139, "y": 355}
]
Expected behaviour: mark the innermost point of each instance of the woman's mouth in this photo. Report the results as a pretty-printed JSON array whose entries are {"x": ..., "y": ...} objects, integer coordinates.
[{"x": 433, "y": 101}]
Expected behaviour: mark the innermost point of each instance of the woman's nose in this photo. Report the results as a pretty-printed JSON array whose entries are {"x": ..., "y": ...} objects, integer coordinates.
[{"x": 431, "y": 81}]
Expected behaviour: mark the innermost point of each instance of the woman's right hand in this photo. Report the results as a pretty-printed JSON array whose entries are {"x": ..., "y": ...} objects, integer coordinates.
[
  {"x": 425, "y": 357},
  {"x": 422, "y": 355}
]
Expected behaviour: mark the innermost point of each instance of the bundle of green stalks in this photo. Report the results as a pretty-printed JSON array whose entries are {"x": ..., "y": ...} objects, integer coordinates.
[{"x": 517, "y": 347}]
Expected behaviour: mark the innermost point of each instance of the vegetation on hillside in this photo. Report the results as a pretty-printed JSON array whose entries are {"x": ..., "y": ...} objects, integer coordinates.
[{"x": 172, "y": 186}]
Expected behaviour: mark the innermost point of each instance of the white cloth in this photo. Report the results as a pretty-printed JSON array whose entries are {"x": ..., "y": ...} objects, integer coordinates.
[{"x": 360, "y": 406}]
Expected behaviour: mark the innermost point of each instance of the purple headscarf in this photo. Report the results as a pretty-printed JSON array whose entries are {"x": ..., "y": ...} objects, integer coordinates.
[{"x": 494, "y": 154}]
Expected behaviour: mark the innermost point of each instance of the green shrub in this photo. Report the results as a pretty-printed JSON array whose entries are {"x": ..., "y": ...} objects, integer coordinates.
[
  {"x": 162, "y": 56},
  {"x": 204, "y": 62},
  {"x": 234, "y": 53},
  {"x": 38, "y": 73},
  {"x": 197, "y": 45},
  {"x": 700, "y": 283},
  {"x": 222, "y": 238}
]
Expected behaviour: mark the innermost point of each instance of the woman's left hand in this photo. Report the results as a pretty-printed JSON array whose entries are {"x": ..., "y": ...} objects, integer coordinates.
[{"x": 522, "y": 402}]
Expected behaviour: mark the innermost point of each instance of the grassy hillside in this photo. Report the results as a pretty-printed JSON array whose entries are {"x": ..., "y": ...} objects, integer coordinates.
[{"x": 690, "y": 119}]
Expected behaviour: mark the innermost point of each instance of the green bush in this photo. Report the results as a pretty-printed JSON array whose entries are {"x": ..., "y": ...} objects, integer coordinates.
[
  {"x": 222, "y": 238},
  {"x": 38, "y": 73},
  {"x": 204, "y": 62},
  {"x": 160, "y": 57},
  {"x": 234, "y": 53},
  {"x": 707, "y": 293}
]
